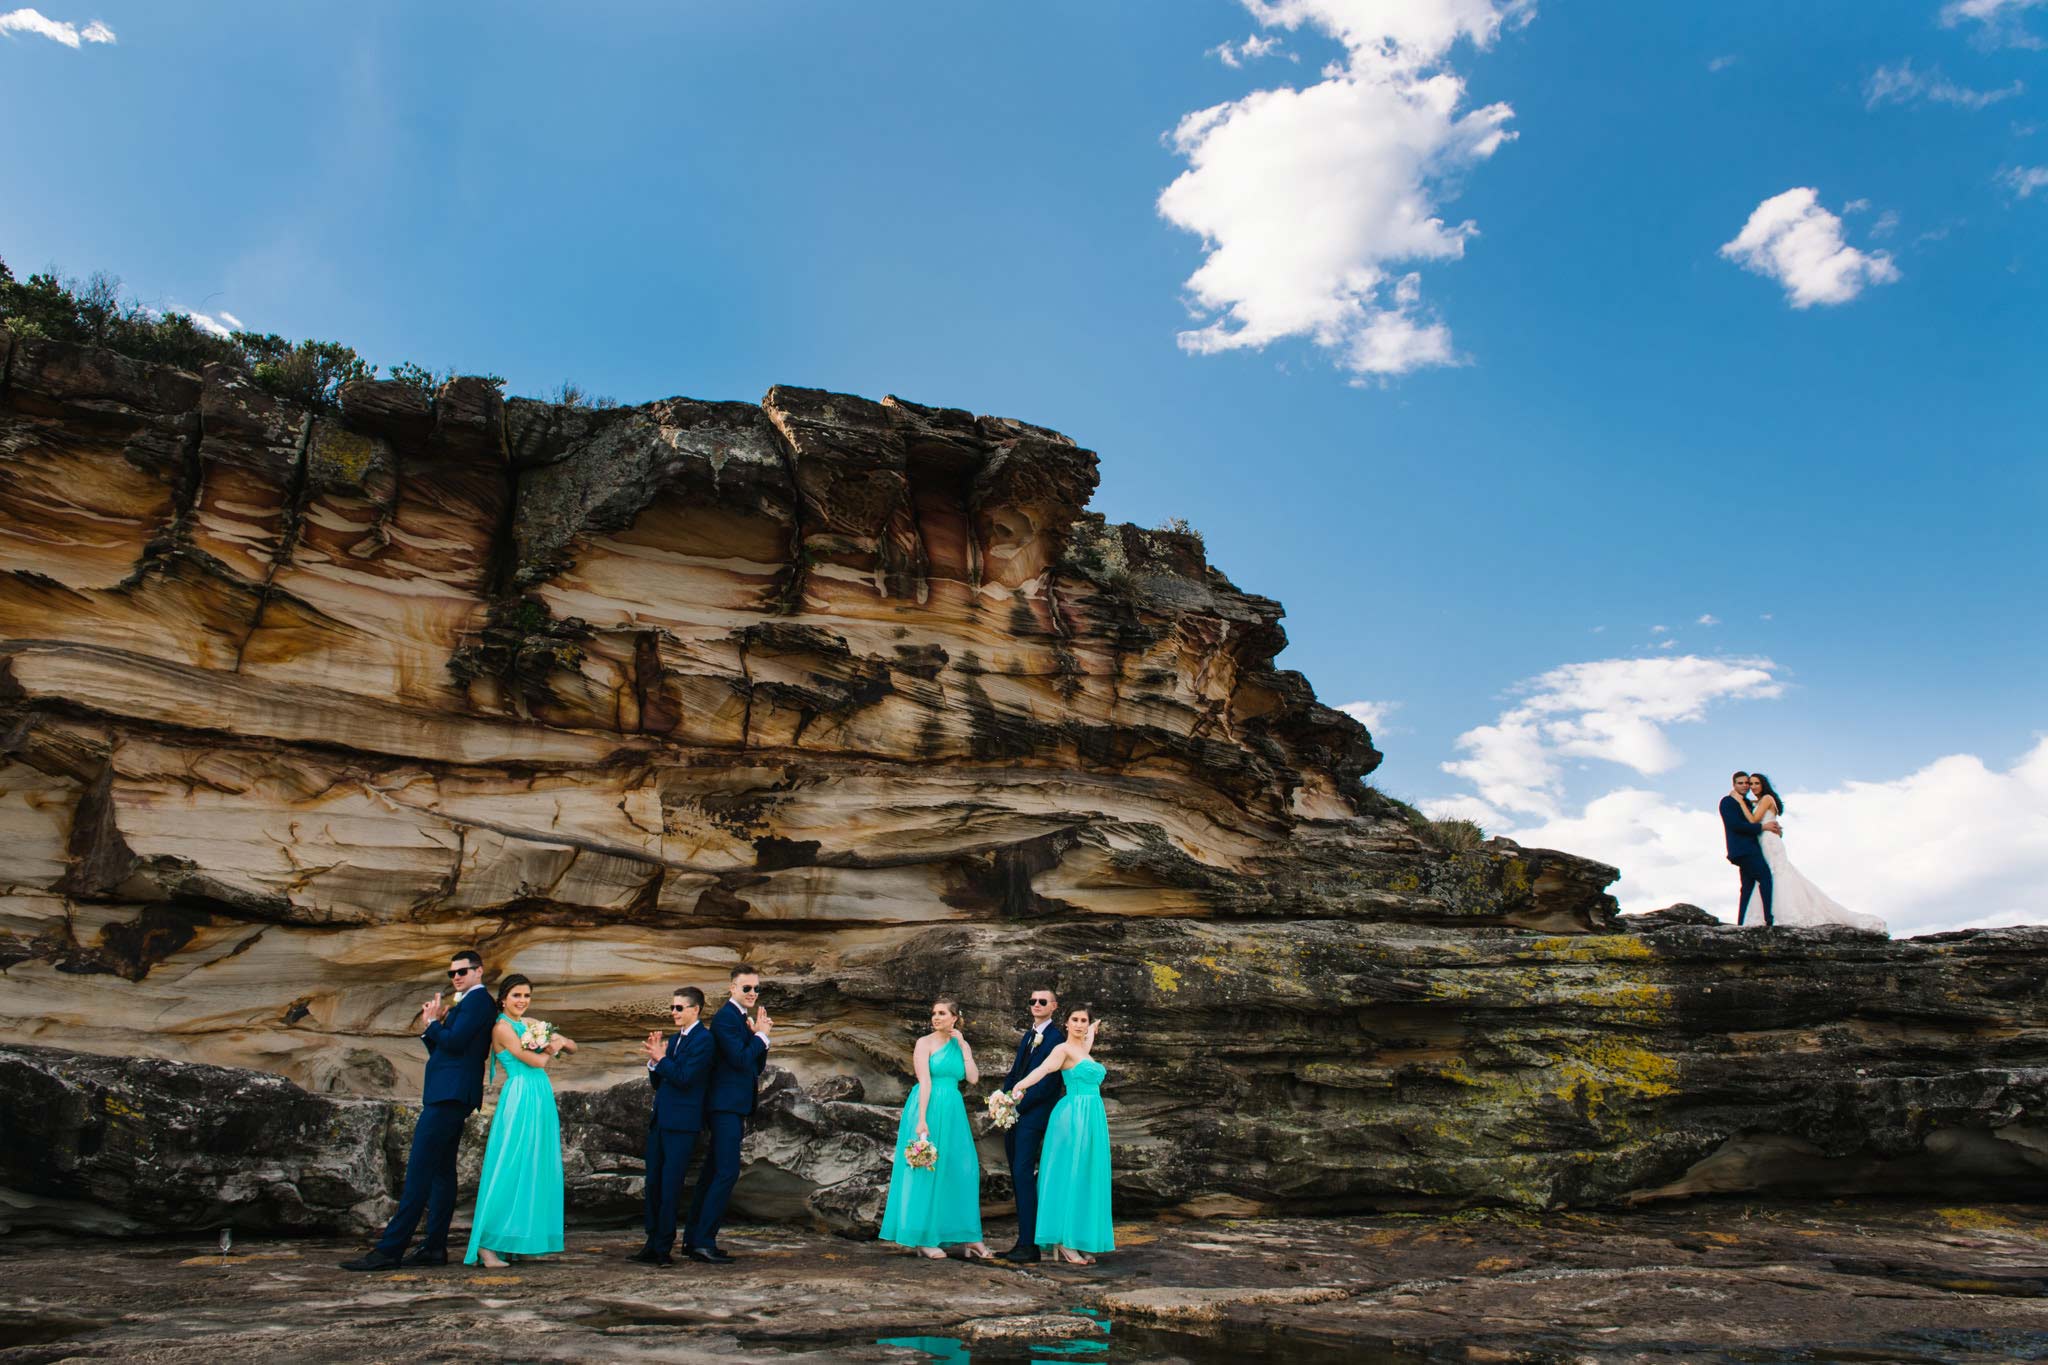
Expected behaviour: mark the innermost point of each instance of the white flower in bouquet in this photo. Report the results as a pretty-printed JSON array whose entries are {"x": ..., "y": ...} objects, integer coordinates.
[
  {"x": 921, "y": 1155},
  {"x": 1002, "y": 1109},
  {"x": 539, "y": 1033}
]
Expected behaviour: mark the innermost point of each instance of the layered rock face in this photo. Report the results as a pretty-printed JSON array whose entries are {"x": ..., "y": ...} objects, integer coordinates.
[{"x": 296, "y": 703}]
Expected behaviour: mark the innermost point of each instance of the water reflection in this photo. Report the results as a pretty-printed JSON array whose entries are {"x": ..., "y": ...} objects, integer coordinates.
[
  {"x": 1109, "y": 1343},
  {"x": 1088, "y": 1350}
]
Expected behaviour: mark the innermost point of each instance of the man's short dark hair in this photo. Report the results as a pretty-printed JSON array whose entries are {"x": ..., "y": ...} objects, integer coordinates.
[
  {"x": 690, "y": 994},
  {"x": 743, "y": 969},
  {"x": 1048, "y": 988},
  {"x": 1733, "y": 776},
  {"x": 471, "y": 956}
]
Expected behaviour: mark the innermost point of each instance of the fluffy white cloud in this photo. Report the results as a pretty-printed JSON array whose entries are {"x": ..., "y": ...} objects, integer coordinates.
[
  {"x": 1793, "y": 240},
  {"x": 1901, "y": 84},
  {"x": 231, "y": 320},
  {"x": 1371, "y": 714},
  {"x": 1308, "y": 199},
  {"x": 1616, "y": 710},
  {"x": 1709, "y": 619},
  {"x": 2024, "y": 180},
  {"x": 1720, "y": 64},
  {"x": 1954, "y": 845},
  {"x": 56, "y": 30},
  {"x": 1998, "y": 21},
  {"x": 1250, "y": 50},
  {"x": 210, "y": 326}
]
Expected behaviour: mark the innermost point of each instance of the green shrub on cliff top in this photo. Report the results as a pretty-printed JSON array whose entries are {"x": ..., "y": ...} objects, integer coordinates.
[{"x": 93, "y": 312}]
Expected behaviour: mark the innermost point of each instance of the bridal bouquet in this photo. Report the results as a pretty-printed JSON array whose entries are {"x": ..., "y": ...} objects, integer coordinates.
[
  {"x": 921, "y": 1155},
  {"x": 539, "y": 1033},
  {"x": 1002, "y": 1109}
]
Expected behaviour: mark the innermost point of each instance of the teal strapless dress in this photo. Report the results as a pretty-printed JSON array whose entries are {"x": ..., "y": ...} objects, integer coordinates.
[
  {"x": 941, "y": 1205},
  {"x": 519, "y": 1198},
  {"x": 1073, "y": 1169}
]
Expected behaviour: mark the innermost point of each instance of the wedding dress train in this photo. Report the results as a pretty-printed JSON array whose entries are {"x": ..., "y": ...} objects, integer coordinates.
[{"x": 1797, "y": 903}]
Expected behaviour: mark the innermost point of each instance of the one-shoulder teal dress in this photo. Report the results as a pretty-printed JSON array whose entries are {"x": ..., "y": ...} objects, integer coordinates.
[
  {"x": 519, "y": 1198},
  {"x": 933, "y": 1207},
  {"x": 1073, "y": 1169}
]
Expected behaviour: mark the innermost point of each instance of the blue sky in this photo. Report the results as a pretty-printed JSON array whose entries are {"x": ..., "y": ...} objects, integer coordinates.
[{"x": 1582, "y": 419}]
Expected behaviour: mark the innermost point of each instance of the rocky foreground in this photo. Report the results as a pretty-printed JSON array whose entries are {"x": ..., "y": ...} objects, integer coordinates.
[
  {"x": 295, "y": 702},
  {"x": 1722, "y": 1282}
]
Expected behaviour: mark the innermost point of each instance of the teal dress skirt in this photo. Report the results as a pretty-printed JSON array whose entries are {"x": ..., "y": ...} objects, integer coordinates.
[
  {"x": 1073, "y": 1168},
  {"x": 929, "y": 1208},
  {"x": 519, "y": 1198}
]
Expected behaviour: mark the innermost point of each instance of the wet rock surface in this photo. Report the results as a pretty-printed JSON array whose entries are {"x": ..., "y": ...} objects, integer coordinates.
[{"x": 1720, "y": 1282}]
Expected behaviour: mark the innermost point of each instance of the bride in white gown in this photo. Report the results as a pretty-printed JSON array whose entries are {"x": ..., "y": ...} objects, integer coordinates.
[{"x": 1796, "y": 903}]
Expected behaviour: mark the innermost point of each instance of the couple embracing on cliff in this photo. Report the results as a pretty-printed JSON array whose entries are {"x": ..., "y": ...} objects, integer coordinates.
[{"x": 1756, "y": 846}]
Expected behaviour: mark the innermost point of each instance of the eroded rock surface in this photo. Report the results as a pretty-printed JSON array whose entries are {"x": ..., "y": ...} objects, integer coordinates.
[{"x": 294, "y": 703}]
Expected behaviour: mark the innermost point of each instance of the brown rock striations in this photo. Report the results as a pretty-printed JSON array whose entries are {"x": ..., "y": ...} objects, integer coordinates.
[{"x": 294, "y": 702}]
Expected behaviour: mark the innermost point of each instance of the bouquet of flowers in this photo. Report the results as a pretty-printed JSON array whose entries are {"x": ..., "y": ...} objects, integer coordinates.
[
  {"x": 1002, "y": 1109},
  {"x": 921, "y": 1155},
  {"x": 539, "y": 1033}
]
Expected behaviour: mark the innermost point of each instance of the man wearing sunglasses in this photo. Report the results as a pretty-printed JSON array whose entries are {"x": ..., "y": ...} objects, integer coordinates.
[
  {"x": 1023, "y": 1142},
  {"x": 679, "y": 1070},
  {"x": 458, "y": 1039},
  {"x": 739, "y": 1036}
]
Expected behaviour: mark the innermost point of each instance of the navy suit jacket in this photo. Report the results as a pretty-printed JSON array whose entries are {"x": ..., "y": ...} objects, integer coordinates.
[
  {"x": 458, "y": 1049},
  {"x": 680, "y": 1081},
  {"x": 738, "y": 1058},
  {"x": 1040, "y": 1098},
  {"x": 1741, "y": 830}
]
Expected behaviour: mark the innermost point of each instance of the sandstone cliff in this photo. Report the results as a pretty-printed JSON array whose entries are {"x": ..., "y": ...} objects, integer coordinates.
[{"x": 294, "y": 702}]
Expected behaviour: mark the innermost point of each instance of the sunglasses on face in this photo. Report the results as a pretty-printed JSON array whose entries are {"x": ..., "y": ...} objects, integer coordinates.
[
  {"x": 678, "y": 1009},
  {"x": 454, "y": 972},
  {"x": 1039, "y": 1000},
  {"x": 747, "y": 990}
]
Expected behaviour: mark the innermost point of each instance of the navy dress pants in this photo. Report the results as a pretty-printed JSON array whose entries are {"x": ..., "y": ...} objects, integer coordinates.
[
  {"x": 1022, "y": 1145},
  {"x": 714, "y": 1187},
  {"x": 1756, "y": 876},
  {"x": 429, "y": 1181},
  {"x": 668, "y": 1168}
]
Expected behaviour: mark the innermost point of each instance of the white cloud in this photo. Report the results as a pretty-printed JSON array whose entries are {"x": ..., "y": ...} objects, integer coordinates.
[
  {"x": 1952, "y": 845},
  {"x": 56, "y": 30},
  {"x": 1307, "y": 200},
  {"x": 1371, "y": 714},
  {"x": 1660, "y": 630},
  {"x": 1901, "y": 84},
  {"x": 1790, "y": 238},
  {"x": 1999, "y": 21},
  {"x": 1250, "y": 50},
  {"x": 211, "y": 327},
  {"x": 231, "y": 320},
  {"x": 2024, "y": 180},
  {"x": 1611, "y": 709},
  {"x": 1719, "y": 64},
  {"x": 1708, "y": 619},
  {"x": 1887, "y": 223}
]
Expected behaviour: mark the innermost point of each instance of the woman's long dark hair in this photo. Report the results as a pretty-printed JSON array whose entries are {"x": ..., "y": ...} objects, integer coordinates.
[
  {"x": 1770, "y": 791},
  {"x": 505, "y": 989}
]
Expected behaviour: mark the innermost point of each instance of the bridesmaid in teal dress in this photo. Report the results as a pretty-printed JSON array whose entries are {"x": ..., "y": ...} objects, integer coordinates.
[
  {"x": 519, "y": 1198},
  {"x": 1073, "y": 1169},
  {"x": 929, "y": 1208}
]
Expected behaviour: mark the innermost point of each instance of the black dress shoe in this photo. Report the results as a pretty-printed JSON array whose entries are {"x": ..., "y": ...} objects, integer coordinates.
[
  {"x": 375, "y": 1260},
  {"x": 663, "y": 1258},
  {"x": 710, "y": 1256},
  {"x": 424, "y": 1257},
  {"x": 1022, "y": 1256},
  {"x": 646, "y": 1256}
]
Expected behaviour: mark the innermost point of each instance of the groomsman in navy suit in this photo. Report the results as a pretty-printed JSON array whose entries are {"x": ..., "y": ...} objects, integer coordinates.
[
  {"x": 458, "y": 1039},
  {"x": 679, "y": 1072},
  {"x": 1023, "y": 1142},
  {"x": 739, "y": 1037}
]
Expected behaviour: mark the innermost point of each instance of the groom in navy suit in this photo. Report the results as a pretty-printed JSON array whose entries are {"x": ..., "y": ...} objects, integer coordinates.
[
  {"x": 679, "y": 1071},
  {"x": 458, "y": 1040},
  {"x": 1024, "y": 1141},
  {"x": 1743, "y": 849},
  {"x": 739, "y": 1039}
]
